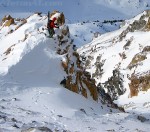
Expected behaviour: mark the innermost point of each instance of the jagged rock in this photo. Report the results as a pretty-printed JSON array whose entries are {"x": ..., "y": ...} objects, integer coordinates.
[
  {"x": 9, "y": 50},
  {"x": 114, "y": 85},
  {"x": 141, "y": 24},
  {"x": 38, "y": 13},
  {"x": 65, "y": 30},
  {"x": 60, "y": 19},
  {"x": 96, "y": 34},
  {"x": 43, "y": 129},
  {"x": 76, "y": 78},
  {"x": 148, "y": 24},
  {"x": 79, "y": 81},
  {"x": 142, "y": 118},
  {"x": 92, "y": 88},
  {"x": 84, "y": 92},
  {"x": 64, "y": 65},
  {"x": 146, "y": 49},
  {"x": 8, "y": 20},
  {"x": 139, "y": 83},
  {"x": 137, "y": 59}
]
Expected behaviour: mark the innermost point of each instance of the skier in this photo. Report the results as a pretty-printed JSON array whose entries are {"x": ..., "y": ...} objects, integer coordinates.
[{"x": 51, "y": 25}]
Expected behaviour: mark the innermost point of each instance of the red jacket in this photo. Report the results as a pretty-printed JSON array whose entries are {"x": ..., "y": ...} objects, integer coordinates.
[{"x": 51, "y": 23}]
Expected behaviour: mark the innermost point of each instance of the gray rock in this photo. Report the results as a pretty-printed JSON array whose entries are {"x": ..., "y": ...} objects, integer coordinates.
[
  {"x": 42, "y": 129},
  {"x": 142, "y": 118}
]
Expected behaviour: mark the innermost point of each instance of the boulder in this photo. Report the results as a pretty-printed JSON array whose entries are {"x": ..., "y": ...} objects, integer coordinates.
[
  {"x": 42, "y": 129},
  {"x": 142, "y": 118},
  {"x": 65, "y": 30},
  {"x": 8, "y": 20},
  {"x": 139, "y": 83}
]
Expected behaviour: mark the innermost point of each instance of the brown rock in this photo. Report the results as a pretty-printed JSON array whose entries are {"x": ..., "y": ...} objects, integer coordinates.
[
  {"x": 74, "y": 88},
  {"x": 64, "y": 65},
  {"x": 6, "y": 18},
  {"x": 65, "y": 30},
  {"x": 71, "y": 70},
  {"x": 140, "y": 83},
  {"x": 92, "y": 88},
  {"x": 9, "y": 22},
  {"x": 84, "y": 92},
  {"x": 61, "y": 18}
]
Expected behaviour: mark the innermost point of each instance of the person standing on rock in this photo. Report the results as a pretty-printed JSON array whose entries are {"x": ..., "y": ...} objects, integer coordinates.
[{"x": 51, "y": 25}]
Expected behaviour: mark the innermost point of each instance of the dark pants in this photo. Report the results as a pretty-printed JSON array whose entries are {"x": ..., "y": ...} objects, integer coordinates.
[{"x": 51, "y": 32}]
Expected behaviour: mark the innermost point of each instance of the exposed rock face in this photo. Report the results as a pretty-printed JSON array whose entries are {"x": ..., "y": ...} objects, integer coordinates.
[
  {"x": 95, "y": 57},
  {"x": 142, "y": 118},
  {"x": 42, "y": 129},
  {"x": 8, "y": 20},
  {"x": 139, "y": 83},
  {"x": 78, "y": 80},
  {"x": 137, "y": 59},
  {"x": 114, "y": 85},
  {"x": 142, "y": 24},
  {"x": 60, "y": 19}
]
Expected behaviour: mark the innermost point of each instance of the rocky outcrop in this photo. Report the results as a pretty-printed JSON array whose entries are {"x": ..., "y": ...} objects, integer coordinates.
[
  {"x": 139, "y": 83},
  {"x": 77, "y": 80},
  {"x": 142, "y": 118},
  {"x": 60, "y": 19},
  {"x": 142, "y": 24},
  {"x": 137, "y": 59},
  {"x": 42, "y": 129},
  {"x": 8, "y": 20},
  {"x": 114, "y": 85}
]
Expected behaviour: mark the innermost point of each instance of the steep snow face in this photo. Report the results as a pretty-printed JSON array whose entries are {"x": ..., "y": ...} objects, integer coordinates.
[
  {"x": 119, "y": 61},
  {"x": 77, "y": 10},
  {"x": 17, "y": 43},
  {"x": 26, "y": 56}
]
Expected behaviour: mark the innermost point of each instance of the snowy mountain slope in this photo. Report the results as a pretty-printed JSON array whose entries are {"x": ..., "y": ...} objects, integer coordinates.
[
  {"x": 80, "y": 10},
  {"x": 83, "y": 32},
  {"x": 119, "y": 62}
]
